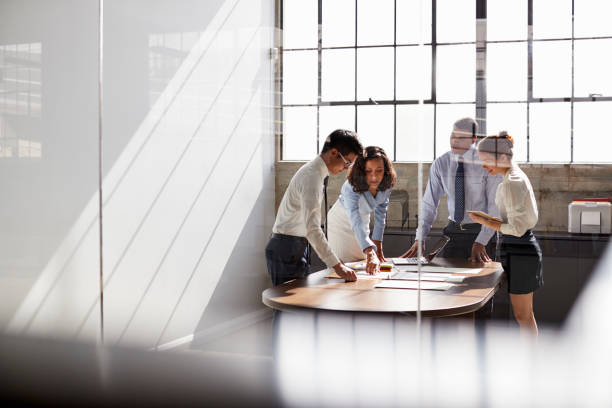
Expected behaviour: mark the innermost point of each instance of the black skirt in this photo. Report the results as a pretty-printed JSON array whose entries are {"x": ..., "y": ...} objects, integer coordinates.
[{"x": 521, "y": 258}]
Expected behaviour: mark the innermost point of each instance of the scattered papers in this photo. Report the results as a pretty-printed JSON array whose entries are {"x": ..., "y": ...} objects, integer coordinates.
[
  {"x": 438, "y": 269},
  {"x": 408, "y": 284},
  {"x": 433, "y": 277},
  {"x": 409, "y": 261}
]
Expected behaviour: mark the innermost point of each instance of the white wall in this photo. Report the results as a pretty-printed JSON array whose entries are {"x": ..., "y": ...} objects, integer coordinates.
[{"x": 187, "y": 171}]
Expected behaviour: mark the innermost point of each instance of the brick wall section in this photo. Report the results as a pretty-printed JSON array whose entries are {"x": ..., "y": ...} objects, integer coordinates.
[{"x": 555, "y": 185}]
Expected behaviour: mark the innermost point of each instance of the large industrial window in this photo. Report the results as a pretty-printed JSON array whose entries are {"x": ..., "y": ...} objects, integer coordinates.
[{"x": 400, "y": 72}]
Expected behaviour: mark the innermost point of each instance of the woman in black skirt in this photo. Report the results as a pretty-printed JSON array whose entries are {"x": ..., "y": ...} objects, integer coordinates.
[{"x": 519, "y": 251}]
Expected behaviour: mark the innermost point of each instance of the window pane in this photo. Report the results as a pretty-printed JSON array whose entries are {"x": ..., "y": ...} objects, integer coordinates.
[
  {"x": 552, "y": 69},
  {"x": 552, "y": 19},
  {"x": 300, "y": 85},
  {"x": 549, "y": 132},
  {"x": 506, "y": 20},
  {"x": 300, "y": 23},
  {"x": 446, "y": 116},
  {"x": 456, "y": 21},
  {"x": 456, "y": 73},
  {"x": 511, "y": 117},
  {"x": 299, "y": 133},
  {"x": 507, "y": 72},
  {"x": 338, "y": 75},
  {"x": 413, "y": 16},
  {"x": 593, "y": 65},
  {"x": 375, "y": 22},
  {"x": 375, "y": 126},
  {"x": 375, "y": 73},
  {"x": 335, "y": 117},
  {"x": 592, "y": 132},
  {"x": 414, "y": 134},
  {"x": 413, "y": 72},
  {"x": 338, "y": 28},
  {"x": 592, "y": 18}
]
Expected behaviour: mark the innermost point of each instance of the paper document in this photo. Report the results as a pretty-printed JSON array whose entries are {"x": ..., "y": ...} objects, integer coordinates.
[
  {"x": 433, "y": 277},
  {"x": 485, "y": 216},
  {"x": 408, "y": 284},
  {"x": 438, "y": 269}
]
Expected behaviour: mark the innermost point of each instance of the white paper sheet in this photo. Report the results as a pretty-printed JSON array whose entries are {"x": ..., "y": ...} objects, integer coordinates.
[
  {"x": 408, "y": 284},
  {"x": 438, "y": 269}
]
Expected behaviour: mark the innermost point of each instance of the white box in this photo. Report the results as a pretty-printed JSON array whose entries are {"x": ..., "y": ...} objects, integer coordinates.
[{"x": 589, "y": 217}]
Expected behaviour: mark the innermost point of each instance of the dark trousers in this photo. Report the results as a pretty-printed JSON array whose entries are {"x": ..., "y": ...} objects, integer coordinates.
[
  {"x": 287, "y": 258},
  {"x": 461, "y": 241}
]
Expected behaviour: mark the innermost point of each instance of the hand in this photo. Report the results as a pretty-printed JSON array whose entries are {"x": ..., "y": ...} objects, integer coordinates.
[
  {"x": 414, "y": 249},
  {"x": 379, "y": 251},
  {"x": 479, "y": 253},
  {"x": 372, "y": 261},
  {"x": 345, "y": 272}
]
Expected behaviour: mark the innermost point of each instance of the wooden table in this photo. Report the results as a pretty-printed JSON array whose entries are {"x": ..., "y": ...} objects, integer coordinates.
[{"x": 321, "y": 293}]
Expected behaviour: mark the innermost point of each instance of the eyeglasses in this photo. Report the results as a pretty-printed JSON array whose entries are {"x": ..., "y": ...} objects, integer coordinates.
[{"x": 347, "y": 164}]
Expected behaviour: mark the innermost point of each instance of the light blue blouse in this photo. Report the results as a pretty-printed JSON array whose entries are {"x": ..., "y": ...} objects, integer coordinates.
[{"x": 358, "y": 205}]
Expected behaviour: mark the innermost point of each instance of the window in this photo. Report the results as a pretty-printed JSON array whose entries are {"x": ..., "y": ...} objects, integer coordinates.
[{"x": 400, "y": 72}]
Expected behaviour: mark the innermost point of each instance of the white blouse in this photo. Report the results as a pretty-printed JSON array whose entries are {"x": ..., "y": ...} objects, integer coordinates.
[{"x": 516, "y": 203}]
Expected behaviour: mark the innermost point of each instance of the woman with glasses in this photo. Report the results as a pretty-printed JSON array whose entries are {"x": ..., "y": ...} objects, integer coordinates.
[{"x": 367, "y": 190}]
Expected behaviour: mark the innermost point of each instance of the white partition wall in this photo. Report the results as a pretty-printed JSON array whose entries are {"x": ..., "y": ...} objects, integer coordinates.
[{"x": 187, "y": 177}]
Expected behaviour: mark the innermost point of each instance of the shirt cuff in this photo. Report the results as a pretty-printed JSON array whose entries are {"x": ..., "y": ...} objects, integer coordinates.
[{"x": 331, "y": 260}]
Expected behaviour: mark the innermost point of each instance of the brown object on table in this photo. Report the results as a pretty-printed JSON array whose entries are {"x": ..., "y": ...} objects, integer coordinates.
[{"x": 318, "y": 292}]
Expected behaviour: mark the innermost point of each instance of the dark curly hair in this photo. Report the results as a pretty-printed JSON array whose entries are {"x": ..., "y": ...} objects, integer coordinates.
[{"x": 357, "y": 176}]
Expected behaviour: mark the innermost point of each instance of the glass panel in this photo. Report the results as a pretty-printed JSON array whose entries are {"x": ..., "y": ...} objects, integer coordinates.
[
  {"x": 592, "y": 18},
  {"x": 592, "y": 134},
  {"x": 375, "y": 73},
  {"x": 446, "y": 116},
  {"x": 335, "y": 117},
  {"x": 49, "y": 240},
  {"x": 414, "y": 132},
  {"x": 299, "y": 133},
  {"x": 375, "y": 23},
  {"x": 300, "y": 83},
  {"x": 338, "y": 75},
  {"x": 413, "y": 73},
  {"x": 375, "y": 126},
  {"x": 511, "y": 117},
  {"x": 593, "y": 65},
  {"x": 552, "y": 19},
  {"x": 550, "y": 132},
  {"x": 507, "y": 72},
  {"x": 456, "y": 73},
  {"x": 300, "y": 23},
  {"x": 338, "y": 28},
  {"x": 456, "y": 21},
  {"x": 506, "y": 20},
  {"x": 409, "y": 26},
  {"x": 552, "y": 69}
]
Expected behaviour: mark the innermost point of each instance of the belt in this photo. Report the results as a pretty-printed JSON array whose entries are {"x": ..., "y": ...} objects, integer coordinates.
[
  {"x": 289, "y": 237},
  {"x": 464, "y": 226}
]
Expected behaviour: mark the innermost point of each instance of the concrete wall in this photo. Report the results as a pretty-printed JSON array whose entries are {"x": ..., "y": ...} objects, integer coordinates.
[{"x": 555, "y": 185}]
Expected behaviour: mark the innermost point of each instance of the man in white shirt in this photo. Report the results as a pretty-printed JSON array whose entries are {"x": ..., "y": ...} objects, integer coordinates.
[
  {"x": 298, "y": 221},
  {"x": 459, "y": 174}
]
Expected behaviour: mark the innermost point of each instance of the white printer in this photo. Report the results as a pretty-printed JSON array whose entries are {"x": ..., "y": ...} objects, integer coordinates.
[{"x": 589, "y": 216}]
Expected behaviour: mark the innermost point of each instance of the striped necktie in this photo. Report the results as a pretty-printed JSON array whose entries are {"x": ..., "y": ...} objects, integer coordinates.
[{"x": 459, "y": 193}]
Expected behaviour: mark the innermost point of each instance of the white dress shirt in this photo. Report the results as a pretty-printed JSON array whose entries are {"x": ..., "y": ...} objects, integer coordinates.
[
  {"x": 479, "y": 188},
  {"x": 516, "y": 202},
  {"x": 299, "y": 213}
]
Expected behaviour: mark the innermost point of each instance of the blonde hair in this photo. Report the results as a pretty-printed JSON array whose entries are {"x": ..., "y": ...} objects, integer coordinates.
[{"x": 499, "y": 144}]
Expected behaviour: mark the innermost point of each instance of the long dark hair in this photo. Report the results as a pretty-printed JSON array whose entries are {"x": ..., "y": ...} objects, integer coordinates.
[{"x": 357, "y": 176}]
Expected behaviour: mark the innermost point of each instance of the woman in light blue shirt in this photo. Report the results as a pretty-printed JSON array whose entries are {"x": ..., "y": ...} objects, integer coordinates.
[{"x": 367, "y": 190}]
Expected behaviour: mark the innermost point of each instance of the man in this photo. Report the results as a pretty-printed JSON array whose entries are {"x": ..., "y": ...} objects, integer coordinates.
[
  {"x": 298, "y": 221},
  {"x": 459, "y": 174}
]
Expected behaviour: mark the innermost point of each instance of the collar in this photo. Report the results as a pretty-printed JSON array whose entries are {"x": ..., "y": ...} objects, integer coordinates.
[
  {"x": 319, "y": 164},
  {"x": 466, "y": 157}
]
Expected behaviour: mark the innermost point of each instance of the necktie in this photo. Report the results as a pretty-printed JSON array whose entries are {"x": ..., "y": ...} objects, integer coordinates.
[
  {"x": 459, "y": 193},
  {"x": 325, "y": 181}
]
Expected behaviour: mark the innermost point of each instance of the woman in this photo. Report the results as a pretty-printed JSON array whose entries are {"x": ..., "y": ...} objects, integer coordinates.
[
  {"x": 518, "y": 249},
  {"x": 367, "y": 190}
]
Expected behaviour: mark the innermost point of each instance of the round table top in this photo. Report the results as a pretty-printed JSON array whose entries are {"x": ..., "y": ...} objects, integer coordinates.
[{"x": 316, "y": 291}]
